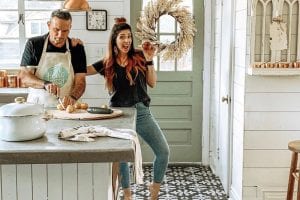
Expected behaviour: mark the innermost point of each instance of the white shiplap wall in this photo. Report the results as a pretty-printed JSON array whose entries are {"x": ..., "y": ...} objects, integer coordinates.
[
  {"x": 95, "y": 43},
  {"x": 271, "y": 113}
]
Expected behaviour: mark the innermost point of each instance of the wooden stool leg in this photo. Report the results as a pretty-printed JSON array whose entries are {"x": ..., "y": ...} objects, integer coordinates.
[
  {"x": 298, "y": 190},
  {"x": 115, "y": 179},
  {"x": 291, "y": 177}
]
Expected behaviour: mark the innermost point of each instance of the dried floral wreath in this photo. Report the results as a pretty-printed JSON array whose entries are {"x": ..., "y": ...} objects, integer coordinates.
[{"x": 147, "y": 23}]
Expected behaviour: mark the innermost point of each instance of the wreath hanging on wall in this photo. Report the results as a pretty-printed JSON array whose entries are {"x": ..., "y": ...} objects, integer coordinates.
[{"x": 148, "y": 20}]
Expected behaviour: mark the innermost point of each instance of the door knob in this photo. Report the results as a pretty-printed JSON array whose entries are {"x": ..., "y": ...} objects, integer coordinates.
[{"x": 226, "y": 99}]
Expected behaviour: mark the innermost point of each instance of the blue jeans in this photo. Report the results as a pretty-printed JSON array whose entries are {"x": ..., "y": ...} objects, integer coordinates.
[{"x": 148, "y": 129}]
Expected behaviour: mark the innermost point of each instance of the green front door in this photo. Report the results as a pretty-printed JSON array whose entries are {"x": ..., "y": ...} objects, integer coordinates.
[{"x": 177, "y": 98}]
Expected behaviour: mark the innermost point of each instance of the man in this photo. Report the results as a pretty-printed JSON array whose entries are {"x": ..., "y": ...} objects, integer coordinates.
[{"x": 51, "y": 67}]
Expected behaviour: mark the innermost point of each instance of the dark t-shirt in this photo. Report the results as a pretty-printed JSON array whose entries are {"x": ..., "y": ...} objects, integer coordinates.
[
  {"x": 126, "y": 95},
  {"x": 34, "y": 48}
]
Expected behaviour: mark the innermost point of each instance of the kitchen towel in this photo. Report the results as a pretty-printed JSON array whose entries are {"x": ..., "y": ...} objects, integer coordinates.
[{"x": 88, "y": 133}]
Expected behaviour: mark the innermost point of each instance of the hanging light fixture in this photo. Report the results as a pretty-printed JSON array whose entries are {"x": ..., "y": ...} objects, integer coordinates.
[{"x": 76, "y": 5}]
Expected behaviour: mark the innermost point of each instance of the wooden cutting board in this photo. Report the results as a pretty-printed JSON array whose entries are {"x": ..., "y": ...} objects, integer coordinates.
[{"x": 80, "y": 114}]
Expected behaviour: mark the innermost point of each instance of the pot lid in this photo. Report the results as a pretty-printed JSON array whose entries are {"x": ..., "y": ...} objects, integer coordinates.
[{"x": 20, "y": 108}]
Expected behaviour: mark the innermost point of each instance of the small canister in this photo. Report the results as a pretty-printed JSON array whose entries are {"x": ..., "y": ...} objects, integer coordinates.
[
  {"x": 3, "y": 73},
  {"x": 20, "y": 83},
  {"x": 12, "y": 81},
  {"x": 2, "y": 82},
  {"x": 3, "y": 78}
]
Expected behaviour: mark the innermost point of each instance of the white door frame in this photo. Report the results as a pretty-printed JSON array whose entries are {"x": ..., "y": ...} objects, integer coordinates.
[
  {"x": 209, "y": 24},
  {"x": 207, "y": 63}
]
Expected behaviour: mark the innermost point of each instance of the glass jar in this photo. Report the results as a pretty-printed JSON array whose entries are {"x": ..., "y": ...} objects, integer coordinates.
[
  {"x": 12, "y": 81},
  {"x": 2, "y": 82},
  {"x": 3, "y": 78}
]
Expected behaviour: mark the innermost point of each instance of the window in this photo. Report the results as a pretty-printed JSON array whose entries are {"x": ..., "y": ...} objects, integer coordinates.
[
  {"x": 167, "y": 30},
  {"x": 19, "y": 20}
]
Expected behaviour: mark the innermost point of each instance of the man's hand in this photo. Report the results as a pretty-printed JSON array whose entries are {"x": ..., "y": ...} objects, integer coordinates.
[
  {"x": 68, "y": 100},
  {"x": 52, "y": 88},
  {"x": 29, "y": 79}
]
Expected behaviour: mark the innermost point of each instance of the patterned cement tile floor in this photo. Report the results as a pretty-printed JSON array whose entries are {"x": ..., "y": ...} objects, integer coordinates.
[{"x": 183, "y": 182}]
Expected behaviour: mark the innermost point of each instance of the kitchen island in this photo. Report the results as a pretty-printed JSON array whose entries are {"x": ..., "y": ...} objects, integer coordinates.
[{"x": 54, "y": 169}]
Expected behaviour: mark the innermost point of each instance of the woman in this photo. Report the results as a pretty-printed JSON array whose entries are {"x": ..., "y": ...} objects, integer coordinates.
[{"x": 127, "y": 73}]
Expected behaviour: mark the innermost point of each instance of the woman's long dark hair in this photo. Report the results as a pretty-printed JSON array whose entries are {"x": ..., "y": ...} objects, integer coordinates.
[{"x": 135, "y": 59}]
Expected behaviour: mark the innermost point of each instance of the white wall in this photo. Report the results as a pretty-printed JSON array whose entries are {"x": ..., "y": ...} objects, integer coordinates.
[
  {"x": 95, "y": 43},
  {"x": 271, "y": 114}
]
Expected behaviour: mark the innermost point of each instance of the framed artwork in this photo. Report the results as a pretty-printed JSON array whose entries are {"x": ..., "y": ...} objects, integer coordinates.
[{"x": 96, "y": 20}]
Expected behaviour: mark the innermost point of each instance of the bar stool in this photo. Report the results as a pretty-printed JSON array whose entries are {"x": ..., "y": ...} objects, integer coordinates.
[{"x": 294, "y": 146}]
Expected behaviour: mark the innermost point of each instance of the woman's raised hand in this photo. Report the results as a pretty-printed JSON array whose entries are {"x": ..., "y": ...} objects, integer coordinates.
[{"x": 149, "y": 49}]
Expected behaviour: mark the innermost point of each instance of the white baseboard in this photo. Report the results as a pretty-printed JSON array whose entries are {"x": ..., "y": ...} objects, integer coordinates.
[
  {"x": 272, "y": 193},
  {"x": 265, "y": 193}
]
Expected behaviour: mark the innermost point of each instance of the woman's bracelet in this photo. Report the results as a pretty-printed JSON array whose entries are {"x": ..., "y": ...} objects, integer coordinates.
[{"x": 149, "y": 62}]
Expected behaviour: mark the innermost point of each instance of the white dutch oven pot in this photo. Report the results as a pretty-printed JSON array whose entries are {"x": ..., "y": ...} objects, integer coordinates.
[{"x": 21, "y": 121}]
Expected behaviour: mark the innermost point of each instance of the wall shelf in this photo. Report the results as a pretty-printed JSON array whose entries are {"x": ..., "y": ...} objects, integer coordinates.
[
  {"x": 273, "y": 71},
  {"x": 8, "y": 91}
]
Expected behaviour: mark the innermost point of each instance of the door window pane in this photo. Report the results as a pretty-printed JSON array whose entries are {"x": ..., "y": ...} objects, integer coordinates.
[
  {"x": 185, "y": 63},
  {"x": 168, "y": 65},
  {"x": 167, "y": 39},
  {"x": 166, "y": 24}
]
